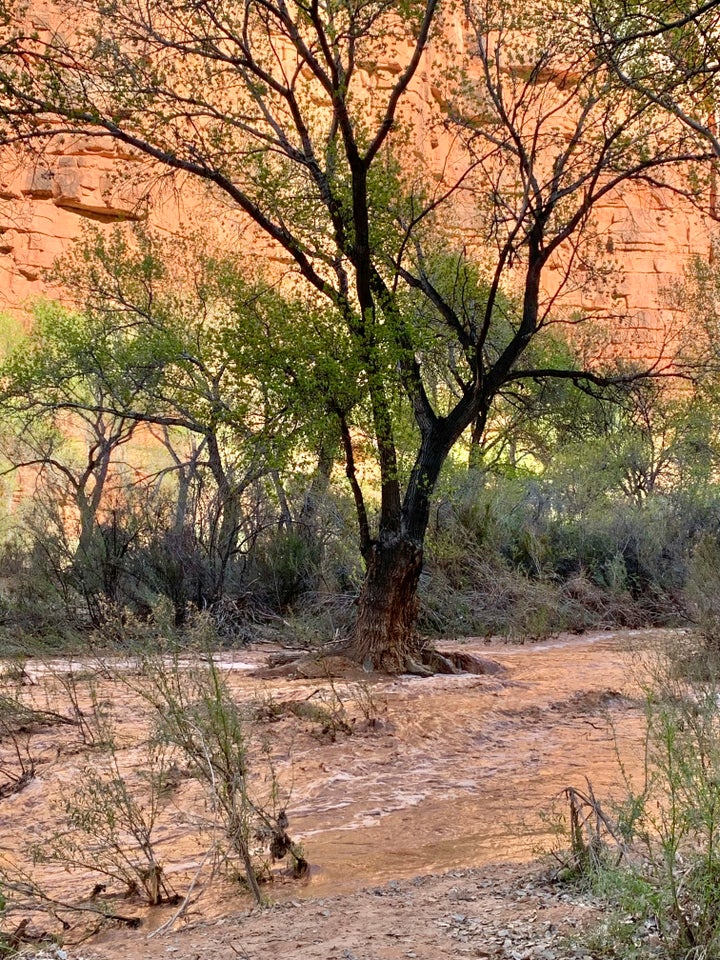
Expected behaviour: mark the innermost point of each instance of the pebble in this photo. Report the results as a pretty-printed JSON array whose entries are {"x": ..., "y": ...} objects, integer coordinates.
[
  {"x": 462, "y": 893},
  {"x": 51, "y": 953}
]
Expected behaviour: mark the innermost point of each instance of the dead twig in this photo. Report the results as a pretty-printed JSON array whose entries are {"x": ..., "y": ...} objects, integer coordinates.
[
  {"x": 186, "y": 899},
  {"x": 590, "y": 828}
]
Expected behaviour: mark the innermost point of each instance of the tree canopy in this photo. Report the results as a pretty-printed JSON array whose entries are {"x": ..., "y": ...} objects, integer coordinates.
[{"x": 421, "y": 167}]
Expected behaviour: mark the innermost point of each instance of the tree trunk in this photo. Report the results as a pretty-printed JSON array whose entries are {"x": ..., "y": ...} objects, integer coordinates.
[
  {"x": 228, "y": 514},
  {"x": 385, "y": 635}
]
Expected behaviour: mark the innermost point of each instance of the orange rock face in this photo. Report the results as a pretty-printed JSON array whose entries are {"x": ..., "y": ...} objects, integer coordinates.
[
  {"x": 644, "y": 236},
  {"x": 44, "y": 203},
  {"x": 646, "y": 239}
]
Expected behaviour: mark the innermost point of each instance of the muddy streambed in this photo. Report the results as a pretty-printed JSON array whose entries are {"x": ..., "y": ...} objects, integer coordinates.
[{"x": 449, "y": 772}]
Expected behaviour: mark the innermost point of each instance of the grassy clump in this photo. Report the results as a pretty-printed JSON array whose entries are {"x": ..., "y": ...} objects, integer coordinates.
[{"x": 660, "y": 869}]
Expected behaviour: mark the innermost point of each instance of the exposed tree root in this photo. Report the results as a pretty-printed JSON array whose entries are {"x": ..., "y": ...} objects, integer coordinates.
[
  {"x": 455, "y": 661},
  {"x": 427, "y": 662},
  {"x": 304, "y": 666}
]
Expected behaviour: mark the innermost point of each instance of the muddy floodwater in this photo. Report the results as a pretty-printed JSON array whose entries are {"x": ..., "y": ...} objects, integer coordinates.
[
  {"x": 422, "y": 776},
  {"x": 468, "y": 766}
]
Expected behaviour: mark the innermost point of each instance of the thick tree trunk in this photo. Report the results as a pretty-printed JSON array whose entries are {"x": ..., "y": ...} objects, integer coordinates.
[{"x": 385, "y": 635}]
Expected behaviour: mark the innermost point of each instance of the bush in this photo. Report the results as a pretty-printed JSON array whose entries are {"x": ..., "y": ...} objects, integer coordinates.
[
  {"x": 511, "y": 557},
  {"x": 519, "y": 556},
  {"x": 107, "y": 827},
  {"x": 668, "y": 830},
  {"x": 703, "y": 590},
  {"x": 196, "y": 715}
]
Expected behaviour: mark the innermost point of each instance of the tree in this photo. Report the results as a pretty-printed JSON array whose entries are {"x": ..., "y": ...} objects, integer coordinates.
[
  {"x": 669, "y": 53},
  {"x": 166, "y": 335},
  {"x": 58, "y": 426},
  {"x": 287, "y": 110}
]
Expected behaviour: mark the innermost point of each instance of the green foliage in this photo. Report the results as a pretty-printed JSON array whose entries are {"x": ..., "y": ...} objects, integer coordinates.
[
  {"x": 210, "y": 363},
  {"x": 663, "y": 889},
  {"x": 703, "y": 589},
  {"x": 189, "y": 751},
  {"x": 560, "y": 551},
  {"x": 196, "y": 715},
  {"x": 287, "y": 567},
  {"x": 397, "y": 329},
  {"x": 108, "y": 826},
  {"x": 12, "y": 333}
]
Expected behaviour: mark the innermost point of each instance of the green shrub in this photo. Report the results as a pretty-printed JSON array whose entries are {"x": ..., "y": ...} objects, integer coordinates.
[
  {"x": 703, "y": 590},
  {"x": 196, "y": 715},
  {"x": 665, "y": 889}
]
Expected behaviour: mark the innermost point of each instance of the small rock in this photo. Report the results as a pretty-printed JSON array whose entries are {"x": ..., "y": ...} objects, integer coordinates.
[{"x": 462, "y": 893}]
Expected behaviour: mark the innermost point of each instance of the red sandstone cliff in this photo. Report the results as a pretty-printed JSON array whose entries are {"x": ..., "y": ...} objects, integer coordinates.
[{"x": 645, "y": 235}]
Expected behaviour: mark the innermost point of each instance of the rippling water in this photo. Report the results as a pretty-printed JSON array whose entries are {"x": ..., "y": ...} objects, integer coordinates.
[{"x": 455, "y": 773}]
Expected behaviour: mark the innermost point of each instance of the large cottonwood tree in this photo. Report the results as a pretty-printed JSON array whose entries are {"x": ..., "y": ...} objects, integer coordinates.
[{"x": 323, "y": 123}]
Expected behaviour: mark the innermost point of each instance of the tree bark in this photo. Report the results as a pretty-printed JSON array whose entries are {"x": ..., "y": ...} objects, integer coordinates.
[
  {"x": 385, "y": 635},
  {"x": 227, "y": 518}
]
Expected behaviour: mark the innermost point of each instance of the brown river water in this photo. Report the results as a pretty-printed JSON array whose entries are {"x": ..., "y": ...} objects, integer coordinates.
[
  {"x": 470, "y": 764},
  {"x": 456, "y": 771}
]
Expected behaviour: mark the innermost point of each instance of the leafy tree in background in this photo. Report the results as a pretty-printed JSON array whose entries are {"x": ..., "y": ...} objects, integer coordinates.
[
  {"x": 637, "y": 439},
  {"x": 58, "y": 425},
  {"x": 668, "y": 51},
  {"x": 287, "y": 112},
  {"x": 169, "y": 337}
]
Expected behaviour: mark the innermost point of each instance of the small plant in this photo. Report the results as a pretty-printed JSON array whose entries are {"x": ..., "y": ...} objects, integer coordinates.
[
  {"x": 364, "y": 699},
  {"x": 197, "y": 715},
  {"x": 681, "y": 828},
  {"x": 658, "y": 861},
  {"x": 89, "y": 719},
  {"x": 18, "y": 720},
  {"x": 590, "y": 840},
  {"x": 15, "y": 672},
  {"x": 107, "y": 827},
  {"x": 17, "y": 770},
  {"x": 594, "y": 839},
  {"x": 327, "y": 709}
]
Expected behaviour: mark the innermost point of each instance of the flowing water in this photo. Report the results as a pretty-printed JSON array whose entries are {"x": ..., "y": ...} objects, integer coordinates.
[
  {"x": 467, "y": 765},
  {"x": 453, "y": 771}
]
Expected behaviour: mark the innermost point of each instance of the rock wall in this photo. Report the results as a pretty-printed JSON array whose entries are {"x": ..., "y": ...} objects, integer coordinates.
[
  {"x": 645, "y": 235},
  {"x": 647, "y": 238},
  {"x": 45, "y": 201}
]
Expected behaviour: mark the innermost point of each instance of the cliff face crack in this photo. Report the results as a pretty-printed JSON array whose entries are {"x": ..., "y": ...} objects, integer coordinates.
[{"x": 99, "y": 214}]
